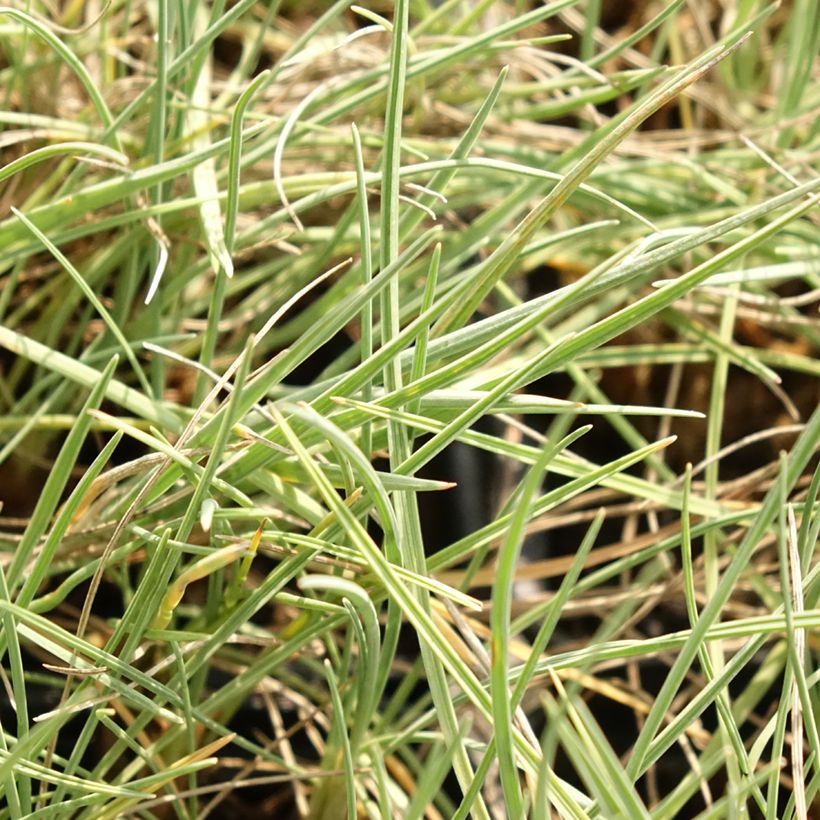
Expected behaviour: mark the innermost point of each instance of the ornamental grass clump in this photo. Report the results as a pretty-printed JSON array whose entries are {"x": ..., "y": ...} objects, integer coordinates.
[{"x": 409, "y": 410}]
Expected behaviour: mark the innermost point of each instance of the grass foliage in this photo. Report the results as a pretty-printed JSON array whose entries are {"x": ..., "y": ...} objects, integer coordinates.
[{"x": 266, "y": 266}]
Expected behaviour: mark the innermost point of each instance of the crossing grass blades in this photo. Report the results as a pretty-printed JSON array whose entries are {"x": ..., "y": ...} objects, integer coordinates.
[{"x": 409, "y": 409}]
